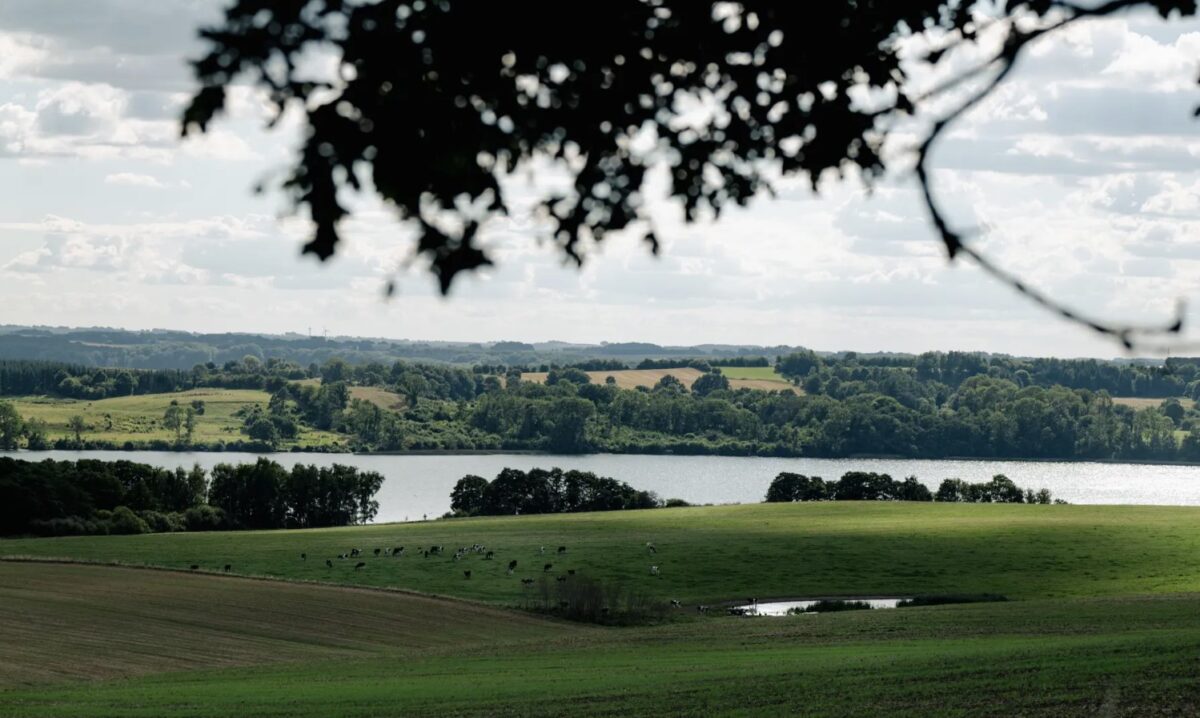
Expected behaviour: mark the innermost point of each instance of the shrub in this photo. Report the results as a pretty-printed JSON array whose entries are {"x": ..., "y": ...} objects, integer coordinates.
[
  {"x": 830, "y": 606},
  {"x": 204, "y": 518},
  {"x": 163, "y": 522},
  {"x": 589, "y": 600},
  {"x": 124, "y": 521},
  {"x": 949, "y": 598},
  {"x": 675, "y": 503}
]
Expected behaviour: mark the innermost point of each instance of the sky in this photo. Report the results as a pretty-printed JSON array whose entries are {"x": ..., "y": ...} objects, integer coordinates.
[{"x": 1082, "y": 169}]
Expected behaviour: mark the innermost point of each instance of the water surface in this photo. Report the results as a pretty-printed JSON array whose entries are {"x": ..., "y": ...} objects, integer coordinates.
[{"x": 418, "y": 486}]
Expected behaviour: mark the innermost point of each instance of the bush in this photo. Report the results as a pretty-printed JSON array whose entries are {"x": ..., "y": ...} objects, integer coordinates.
[
  {"x": 204, "y": 518},
  {"x": 830, "y": 606},
  {"x": 675, "y": 503},
  {"x": 589, "y": 600},
  {"x": 163, "y": 522},
  {"x": 949, "y": 598},
  {"x": 124, "y": 521}
]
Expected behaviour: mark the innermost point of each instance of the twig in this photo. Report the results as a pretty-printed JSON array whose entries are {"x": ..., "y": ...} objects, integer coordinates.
[{"x": 1126, "y": 334}]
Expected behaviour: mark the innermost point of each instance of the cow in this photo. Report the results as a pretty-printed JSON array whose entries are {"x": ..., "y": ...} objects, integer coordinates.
[
  {"x": 303, "y": 557},
  {"x": 466, "y": 574},
  {"x": 561, "y": 579},
  {"x": 654, "y": 570},
  {"x": 527, "y": 582},
  {"x": 360, "y": 564},
  {"x": 650, "y": 547},
  {"x": 489, "y": 556},
  {"x": 675, "y": 604},
  {"x": 376, "y": 552},
  {"x": 547, "y": 567},
  {"x": 228, "y": 567},
  {"x": 398, "y": 551},
  {"x": 562, "y": 550},
  {"x": 195, "y": 567},
  {"x": 571, "y": 571},
  {"x": 328, "y": 563},
  {"x": 511, "y": 566}
]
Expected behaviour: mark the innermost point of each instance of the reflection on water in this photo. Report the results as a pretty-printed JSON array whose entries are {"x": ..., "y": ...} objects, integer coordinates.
[
  {"x": 781, "y": 608},
  {"x": 417, "y": 486}
]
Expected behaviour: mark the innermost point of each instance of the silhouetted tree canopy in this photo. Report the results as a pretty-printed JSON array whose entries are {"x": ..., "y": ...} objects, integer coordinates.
[{"x": 435, "y": 101}]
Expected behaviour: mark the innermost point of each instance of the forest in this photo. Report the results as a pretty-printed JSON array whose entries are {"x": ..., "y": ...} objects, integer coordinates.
[
  {"x": 55, "y": 498},
  {"x": 932, "y": 405}
]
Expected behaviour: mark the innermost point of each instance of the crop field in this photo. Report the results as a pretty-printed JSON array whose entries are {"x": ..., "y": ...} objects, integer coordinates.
[
  {"x": 633, "y": 378},
  {"x": 710, "y": 554},
  {"x": 110, "y": 622},
  {"x": 1107, "y": 621},
  {"x": 139, "y": 418},
  {"x": 382, "y": 398},
  {"x": 1145, "y": 402}
]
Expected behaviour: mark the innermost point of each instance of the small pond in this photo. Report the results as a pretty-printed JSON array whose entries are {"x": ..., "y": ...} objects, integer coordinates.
[{"x": 781, "y": 608}]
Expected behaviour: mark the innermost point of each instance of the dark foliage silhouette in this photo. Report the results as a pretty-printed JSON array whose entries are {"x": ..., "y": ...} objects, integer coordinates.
[{"x": 436, "y": 100}]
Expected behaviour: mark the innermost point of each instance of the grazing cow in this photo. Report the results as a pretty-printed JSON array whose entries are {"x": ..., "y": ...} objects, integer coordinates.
[
  {"x": 398, "y": 551},
  {"x": 228, "y": 567},
  {"x": 426, "y": 554},
  {"x": 571, "y": 571},
  {"x": 650, "y": 547},
  {"x": 490, "y": 555},
  {"x": 561, "y": 579},
  {"x": 527, "y": 582},
  {"x": 354, "y": 553},
  {"x": 547, "y": 567},
  {"x": 376, "y": 552},
  {"x": 511, "y": 565},
  {"x": 360, "y": 564},
  {"x": 654, "y": 570},
  {"x": 466, "y": 574},
  {"x": 675, "y": 604},
  {"x": 328, "y": 563},
  {"x": 195, "y": 566},
  {"x": 543, "y": 549},
  {"x": 562, "y": 549},
  {"x": 303, "y": 557},
  {"x": 702, "y": 609}
]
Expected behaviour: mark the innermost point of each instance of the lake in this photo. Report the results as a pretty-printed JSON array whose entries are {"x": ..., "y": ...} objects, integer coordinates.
[{"x": 420, "y": 486}]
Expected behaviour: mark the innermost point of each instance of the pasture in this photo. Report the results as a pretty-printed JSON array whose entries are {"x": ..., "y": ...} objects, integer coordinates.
[
  {"x": 139, "y": 418},
  {"x": 1146, "y": 402},
  {"x": 186, "y": 643},
  {"x": 710, "y": 554}
]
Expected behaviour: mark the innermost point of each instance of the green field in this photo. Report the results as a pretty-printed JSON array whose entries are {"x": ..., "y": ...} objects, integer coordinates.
[
  {"x": 712, "y": 553},
  {"x": 752, "y": 372},
  {"x": 139, "y": 418},
  {"x": 1105, "y": 617}
]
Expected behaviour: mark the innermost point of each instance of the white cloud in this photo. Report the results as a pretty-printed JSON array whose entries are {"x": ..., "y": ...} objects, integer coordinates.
[{"x": 132, "y": 179}]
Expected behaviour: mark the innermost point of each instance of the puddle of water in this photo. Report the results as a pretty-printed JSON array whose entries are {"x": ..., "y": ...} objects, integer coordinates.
[{"x": 781, "y": 608}]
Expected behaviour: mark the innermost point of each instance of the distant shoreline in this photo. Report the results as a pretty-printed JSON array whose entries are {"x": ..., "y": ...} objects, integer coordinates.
[{"x": 534, "y": 452}]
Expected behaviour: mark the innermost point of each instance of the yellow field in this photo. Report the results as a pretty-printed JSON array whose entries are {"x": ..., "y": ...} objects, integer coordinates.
[
  {"x": 1138, "y": 402},
  {"x": 633, "y": 378},
  {"x": 139, "y": 418},
  {"x": 381, "y": 398}
]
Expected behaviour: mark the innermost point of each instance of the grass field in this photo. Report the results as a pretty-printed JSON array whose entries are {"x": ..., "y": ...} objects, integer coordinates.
[
  {"x": 139, "y": 418},
  {"x": 1105, "y": 617},
  {"x": 708, "y": 554},
  {"x": 762, "y": 378},
  {"x": 380, "y": 397}
]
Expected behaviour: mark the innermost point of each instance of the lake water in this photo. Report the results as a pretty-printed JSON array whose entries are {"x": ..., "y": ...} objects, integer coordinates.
[{"x": 419, "y": 486}]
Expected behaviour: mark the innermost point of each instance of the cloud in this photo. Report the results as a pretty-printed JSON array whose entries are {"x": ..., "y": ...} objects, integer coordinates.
[{"x": 132, "y": 179}]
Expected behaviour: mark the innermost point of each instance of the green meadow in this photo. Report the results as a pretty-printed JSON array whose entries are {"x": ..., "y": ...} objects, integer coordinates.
[
  {"x": 1104, "y": 617},
  {"x": 139, "y": 418}
]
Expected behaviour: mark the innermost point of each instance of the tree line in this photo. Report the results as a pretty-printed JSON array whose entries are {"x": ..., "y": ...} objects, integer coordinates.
[
  {"x": 89, "y": 496},
  {"x": 870, "y": 486},
  {"x": 545, "y": 491}
]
